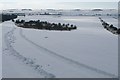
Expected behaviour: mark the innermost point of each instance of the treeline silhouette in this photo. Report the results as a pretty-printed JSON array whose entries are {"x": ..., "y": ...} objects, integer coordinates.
[
  {"x": 110, "y": 27},
  {"x": 45, "y": 25},
  {"x": 6, "y": 17}
]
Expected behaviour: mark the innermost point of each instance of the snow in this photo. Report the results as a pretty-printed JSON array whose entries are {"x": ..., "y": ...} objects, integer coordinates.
[
  {"x": 17, "y": 70},
  {"x": 84, "y": 41},
  {"x": 88, "y": 52},
  {"x": 67, "y": 12},
  {"x": 8, "y": 39},
  {"x": 0, "y": 50},
  {"x": 111, "y": 20}
]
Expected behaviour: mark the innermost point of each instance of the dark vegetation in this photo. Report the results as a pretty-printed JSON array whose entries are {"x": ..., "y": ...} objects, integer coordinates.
[
  {"x": 45, "y": 25},
  {"x": 6, "y": 17},
  {"x": 110, "y": 27},
  {"x": 97, "y": 10},
  {"x": 45, "y": 13}
]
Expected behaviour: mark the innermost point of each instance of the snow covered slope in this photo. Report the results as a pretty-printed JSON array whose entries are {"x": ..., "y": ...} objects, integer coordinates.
[
  {"x": 88, "y": 52},
  {"x": 0, "y": 50},
  {"x": 111, "y": 20}
]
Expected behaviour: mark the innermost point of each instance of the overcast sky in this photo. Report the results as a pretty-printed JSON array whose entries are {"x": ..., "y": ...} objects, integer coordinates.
[{"x": 58, "y": 4}]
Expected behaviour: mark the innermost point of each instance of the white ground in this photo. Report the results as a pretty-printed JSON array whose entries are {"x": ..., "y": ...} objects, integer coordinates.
[
  {"x": 0, "y": 50},
  {"x": 113, "y": 21},
  {"x": 89, "y": 51}
]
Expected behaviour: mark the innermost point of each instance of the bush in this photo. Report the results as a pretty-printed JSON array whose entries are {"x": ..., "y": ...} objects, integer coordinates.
[
  {"x": 6, "y": 17},
  {"x": 45, "y": 25}
]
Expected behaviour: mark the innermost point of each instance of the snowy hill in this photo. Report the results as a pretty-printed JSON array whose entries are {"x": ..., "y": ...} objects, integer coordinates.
[
  {"x": 72, "y": 12},
  {"x": 88, "y": 52}
]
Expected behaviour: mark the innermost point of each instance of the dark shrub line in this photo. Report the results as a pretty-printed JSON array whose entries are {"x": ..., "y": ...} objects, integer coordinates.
[
  {"x": 44, "y": 25},
  {"x": 110, "y": 27},
  {"x": 6, "y": 17}
]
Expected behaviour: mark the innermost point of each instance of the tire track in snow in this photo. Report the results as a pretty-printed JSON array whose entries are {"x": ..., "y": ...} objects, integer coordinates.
[
  {"x": 68, "y": 60},
  {"x": 9, "y": 40}
]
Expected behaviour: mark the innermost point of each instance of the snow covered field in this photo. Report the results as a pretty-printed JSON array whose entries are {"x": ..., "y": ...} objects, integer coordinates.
[
  {"x": 88, "y": 52},
  {"x": 111, "y": 20},
  {"x": 0, "y": 50}
]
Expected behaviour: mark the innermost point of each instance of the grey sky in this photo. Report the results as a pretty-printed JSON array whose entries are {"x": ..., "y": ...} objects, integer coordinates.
[{"x": 55, "y": 4}]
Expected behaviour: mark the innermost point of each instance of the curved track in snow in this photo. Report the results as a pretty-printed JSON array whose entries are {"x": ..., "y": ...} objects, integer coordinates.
[
  {"x": 68, "y": 60},
  {"x": 9, "y": 39}
]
